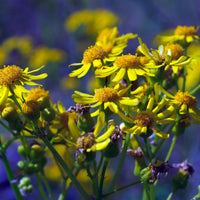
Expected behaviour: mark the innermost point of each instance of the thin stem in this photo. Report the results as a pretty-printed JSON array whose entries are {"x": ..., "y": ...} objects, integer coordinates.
[
  {"x": 146, "y": 195},
  {"x": 121, "y": 188},
  {"x": 121, "y": 162},
  {"x": 103, "y": 175},
  {"x": 171, "y": 148},
  {"x": 6, "y": 127},
  {"x": 184, "y": 78},
  {"x": 40, "y": 186},
  {"x": 67, "y": 169},
  {"x": 44, "y": 179},
  {"x": 148, "y": 150},
  {"x": 100, "y": 162},
  {"x": 195, "y": 90},
  {"x": 170, "y": 196},
  {"x": 152, "y": 192}
]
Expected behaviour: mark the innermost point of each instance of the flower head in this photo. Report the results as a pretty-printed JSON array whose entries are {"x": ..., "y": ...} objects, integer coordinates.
[{"x": 14, "y": 78}]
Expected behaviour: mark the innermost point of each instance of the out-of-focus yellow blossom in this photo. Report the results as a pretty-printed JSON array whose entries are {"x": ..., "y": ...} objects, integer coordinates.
[
  {"x": 112, "y": 43},
  {"x": 185, "y": 103},
  {"x": 93, "y": 20},
  {"x": 94, "y": 142},
  {"x": 51, "y": 169},
  {"x": 13, "y": 77},
  {"x": 42, "y": 55},
  {"x": 107, "y": 97},
  {"x": 145, "y": 120},
  {"x": 22, "y": 44},
  {"x": 92, "y": 84},
  {"x": 170, "y": 55},
  {"x": 69, "y": 83},
  {"x": 3, "y": 56},
  {"x": 125, "y": 64},
  {"x": 184, "y": 34},
  {"x": 64, "y": 126}
]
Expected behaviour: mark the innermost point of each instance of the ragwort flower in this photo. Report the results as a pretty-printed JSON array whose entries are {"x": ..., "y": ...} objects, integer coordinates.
[
  {"x": 14, "y": 78},
  {"x": 145, "y": 120},
  {"x": 133, "y": 65},
  {"x": 107, "y": 97}
]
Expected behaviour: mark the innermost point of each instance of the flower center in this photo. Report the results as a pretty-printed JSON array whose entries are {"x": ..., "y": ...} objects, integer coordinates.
[
  {"x": 10, "y": 74},
  {"x": 106, "y": 94},
  {"x": 185, "y": 30},
  {"x": 127, "y": 61},
  {"x": 176, "y": 50},
  {"x": 185, "y": 98},
  {"x": 85, "y": 142},
  {"x": 144, "y": 119},
  {"x": 93, "y": 53},
  {"x": 36, "y": 93},
  {"x": 64, "y": 117}
]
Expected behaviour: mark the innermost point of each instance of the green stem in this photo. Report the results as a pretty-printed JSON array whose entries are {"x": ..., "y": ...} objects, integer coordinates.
[
  {"x": 148, "y": 150},
  {"x": 100, "y": 162},
  {"x": 10, "y": 176},
  {"x": 121, "y": 162},
  {"x": 103, "y": 175},
  {"x": 184, "y": 78},
  {"x": 67, "y": 169},
  {"x": 44, "y": 179},
  {"x": 121, "y": 188},
  {"x": 171, "y": 148},
  {"x": 195, "y": 90},
  {"x": 6, "y": 127},
  {"x": 170, "y": 196},
  {"x": 146, "y": 195},
  {"x": 152, "y": 192},
  {"x": 40, "y": 186}
]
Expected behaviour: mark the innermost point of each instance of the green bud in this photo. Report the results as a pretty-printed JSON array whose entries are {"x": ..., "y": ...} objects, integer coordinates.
[
  {"x": 23, "y": 150},
  {"x": 30, "y": 169},
  {"x": 90, "y": 156},
  {"x": 112, "y": 150},
  {"x": 179, "y": 181},
  {"x": 25, "y": 181},
  {"x": 44, "y": 102},
  {"x": 48, "y": 114},
  {"x": 31, "y": 109},
  {"x": 179, "y": 128},
  {"x": 10, "y": 114},
  {"x": 36, "y": 152},
  {"x": 27, "y": 189},
  {"x": 22, "y": 164},
  {"x": 140, "y": 164},
  {"x": 146, "y": 175}
]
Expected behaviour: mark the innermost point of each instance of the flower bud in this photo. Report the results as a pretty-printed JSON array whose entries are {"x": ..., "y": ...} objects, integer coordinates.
[
  {"x": 10, "y": 114},
  {"x": 22, "y": 164},
  {"x": 146, "y": 175},
  {"x": 25, "y": 181},
  {"x": 44, "y": 102},
  {"x": 48, "y": 114},
  {"x": 31, "y": 109},
  {"x": 112, "y": 150},
  {"x": 23, "y": 150},
  {"x": 36, "y": 152}
]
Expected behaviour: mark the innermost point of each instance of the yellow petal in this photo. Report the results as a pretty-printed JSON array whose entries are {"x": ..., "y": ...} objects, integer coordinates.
[
  {"x": 107, "y": 134},
  {"x": 100, "y": 124}
]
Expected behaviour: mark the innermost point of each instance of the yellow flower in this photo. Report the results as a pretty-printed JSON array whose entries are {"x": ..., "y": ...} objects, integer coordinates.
[
  {"x": 107, "y": 97},
  {"x": 144, "y": 121},
  {"x": 14, "y": 78},
  {"x": 35, "y": 93},
  {"x": 170, "y": 55},
  {"x": 183, "y": 34},
  {"x": 42, "y": 55},
  {"x": 130, "y": 64},
  {"x": 112, "y": 43},
  {"x": 91, "y": 141},
  {"x": 93, "y": 21},
  {"x": 64, "y": 125}
]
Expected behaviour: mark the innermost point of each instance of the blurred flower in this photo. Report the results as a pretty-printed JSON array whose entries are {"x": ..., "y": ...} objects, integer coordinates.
[
  {"x": 42, "y": 55},
  {"x": 3, "y": 56},
  {"x": 93, "y": 20},
  {"x": 92, "y": 84},
  {"x": 13, "y": 77},
  {"x": 69, "y": 83}
]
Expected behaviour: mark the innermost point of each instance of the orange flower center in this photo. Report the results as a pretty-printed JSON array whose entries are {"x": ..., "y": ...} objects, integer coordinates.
[
  {"x": 185, "y": 98},
  {"x": 176, "y": 49},
  {"x": 106, "y": 94},
  {"x": 185, "y": 30},
  {"x": 36, "y": 93},
  {"x": 10, "y": 74},
  {"x": 64, "y": 117},
  {"x": 144, "y": 119},
  {"x": 93, "y": 53},
  {"x": 127, "y": 61}
]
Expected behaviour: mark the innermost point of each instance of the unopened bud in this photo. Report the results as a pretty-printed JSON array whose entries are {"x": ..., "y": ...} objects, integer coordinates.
[{"x": 31, "y": 109}]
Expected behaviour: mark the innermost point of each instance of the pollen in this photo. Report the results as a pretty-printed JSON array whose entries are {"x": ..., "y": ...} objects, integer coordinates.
[
  {"x": 185, "y": 30},
  {"x": 144, "y": 119},
  {"x": 127, "y": 61},
  {"x": 36, "y": 93},
  {"x": 176, "y": 50},
  {"x": 10, "y": 75},
  {"x": 185, "y": 98},
  {"x": 106, "y": 94},
  {"x": 64, "y": 118},
  {"x": 85, "y": 142},
  {"x": 94, "y": 53}
]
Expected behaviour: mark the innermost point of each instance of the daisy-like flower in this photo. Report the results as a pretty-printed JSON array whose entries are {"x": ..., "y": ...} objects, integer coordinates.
[
  {"x": 182, "y": 33},
  {"x": 146, "y": 120},
  {"x": 170, "y": 55},
  {"x": 112, "y": 43},
  {"x": 185, "y": 103},
  {"x": 132, "y": 65},
  {"x": 14, "y": 78},
  {"x": 64, "y": 125},
  {"x": 94, "y": 142},
  {"x": 107, "y": 97}
]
